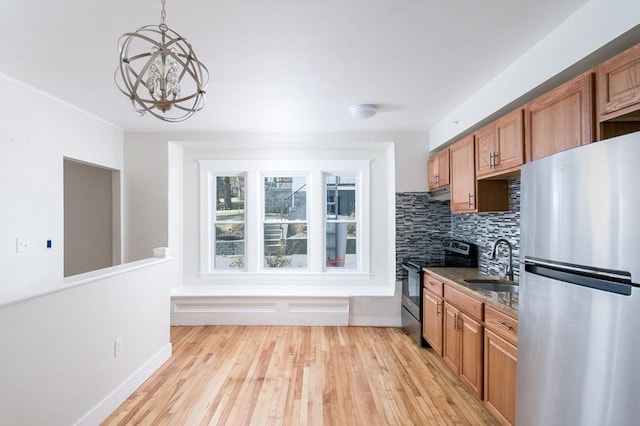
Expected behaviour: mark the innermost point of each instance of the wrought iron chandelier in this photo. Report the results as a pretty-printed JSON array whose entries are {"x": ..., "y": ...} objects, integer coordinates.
[{"x": 165, "y": 79}]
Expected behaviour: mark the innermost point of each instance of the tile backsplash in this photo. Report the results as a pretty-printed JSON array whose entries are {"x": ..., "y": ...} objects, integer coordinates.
[
  {"x": 422, "y": 225},
  {"x": 484, "y": 229}
]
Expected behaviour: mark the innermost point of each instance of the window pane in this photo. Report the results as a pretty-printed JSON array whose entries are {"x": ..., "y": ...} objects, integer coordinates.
[
  {"x": 285, "y": 245},
  {"x": 285, "y": 198},
  {"x": 229, "y": 243},
  {"x": 341, "y": 245},
  {"x": 341, "y": 196},
  {"x": 229, "y": 198}
]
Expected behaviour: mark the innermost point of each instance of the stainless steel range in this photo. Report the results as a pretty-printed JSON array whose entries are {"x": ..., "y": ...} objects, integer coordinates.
[{"x": 456, "y": 254}]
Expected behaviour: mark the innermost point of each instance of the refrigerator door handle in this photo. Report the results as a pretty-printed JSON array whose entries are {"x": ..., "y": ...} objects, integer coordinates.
[{"x": 600, "y": 279}]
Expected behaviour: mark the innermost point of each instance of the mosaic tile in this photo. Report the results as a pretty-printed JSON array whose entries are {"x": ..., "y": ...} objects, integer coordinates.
[{"x": 422, "y": 225}]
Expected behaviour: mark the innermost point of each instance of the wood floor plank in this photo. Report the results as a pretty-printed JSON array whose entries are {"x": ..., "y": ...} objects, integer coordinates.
[{"x": 277, "y": 375}]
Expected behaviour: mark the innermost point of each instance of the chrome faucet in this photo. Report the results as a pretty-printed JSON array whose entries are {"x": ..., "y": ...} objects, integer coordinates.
[{"x": 509, "y": 271}]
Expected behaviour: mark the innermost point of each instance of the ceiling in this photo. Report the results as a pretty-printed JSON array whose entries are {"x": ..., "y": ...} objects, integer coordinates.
[{"x": 282, "y": 65}]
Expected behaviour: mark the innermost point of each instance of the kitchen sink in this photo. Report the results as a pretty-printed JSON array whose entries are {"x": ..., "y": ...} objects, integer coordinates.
[{"x": 494, "y": 285}]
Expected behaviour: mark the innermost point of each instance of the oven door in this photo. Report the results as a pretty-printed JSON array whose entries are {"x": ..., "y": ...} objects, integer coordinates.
[{"x": 411, "y": 289}]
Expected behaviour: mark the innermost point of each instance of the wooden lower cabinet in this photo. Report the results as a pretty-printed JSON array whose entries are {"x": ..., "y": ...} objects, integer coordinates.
[
  {"x": 432, "y": 308},
  {"x": 500, "y": 370},
  {"x": 476, "y": 340},
  {"x": 462, "y": 347}
]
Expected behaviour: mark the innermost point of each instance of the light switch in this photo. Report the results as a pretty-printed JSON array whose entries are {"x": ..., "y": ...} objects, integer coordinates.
[{"x": 21, "y": 245}]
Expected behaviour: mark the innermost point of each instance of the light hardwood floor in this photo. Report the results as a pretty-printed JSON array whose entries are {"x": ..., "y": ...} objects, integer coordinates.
[{"x": 277, "y": 375}]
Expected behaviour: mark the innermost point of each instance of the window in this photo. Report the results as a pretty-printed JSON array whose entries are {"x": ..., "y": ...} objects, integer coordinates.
[
  {"x": 228, "y": 225},
  {"x": 285, "y": 222},
  {"x": 341, "y": 221},
  {"x": 288, "y": 217}
]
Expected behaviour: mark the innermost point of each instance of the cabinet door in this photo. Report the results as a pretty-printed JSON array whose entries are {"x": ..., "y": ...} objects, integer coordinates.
[
  {"x": 443, "y": 167},
  {"x": 438, "y": 169},
  {"x": 432, "y": 171},
  {"x": 509, "y": 142},
  {"x": 500, "y": 364},
  {"x": 485, "y": 149},
  {"x": 619, "y": 84},
  {"x": 463, "y": 179},
  {"x": 432, "y": 320},
  {"x": 471, "y": 366},
  {"x": 500, "y": 145},
  {"x": 561, "y": 119},
  {"x": 451, "y": 338}
]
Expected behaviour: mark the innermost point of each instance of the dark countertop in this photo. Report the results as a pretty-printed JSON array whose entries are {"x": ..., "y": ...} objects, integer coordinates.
[{"x": 501, "y": 301}]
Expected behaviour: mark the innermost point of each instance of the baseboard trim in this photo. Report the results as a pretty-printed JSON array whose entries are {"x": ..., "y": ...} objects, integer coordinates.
[
  {"x": 369, "y": 321},
  {"x": 284, "y": 310},
  {"x": 108, "y": 405}
]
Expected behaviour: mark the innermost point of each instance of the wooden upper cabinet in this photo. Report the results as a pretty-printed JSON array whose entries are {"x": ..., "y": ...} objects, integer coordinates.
[
  {"x": 463, "y": 177},
  {"x": 561, "y": 119},
  {"x": 467, "y": 193},
  {"x": 619, "y": 84},
  {"x": 485, "y": 148},
  {"x": 438, "y": 169},
  {"x": 432, "y": 172},
  {"x": 500, "y": 146}
]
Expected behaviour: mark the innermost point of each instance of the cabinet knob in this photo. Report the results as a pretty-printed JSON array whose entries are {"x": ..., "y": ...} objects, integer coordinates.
[
  {"x": 491, "y": 160},
  {"x": 470, "y": 198}
]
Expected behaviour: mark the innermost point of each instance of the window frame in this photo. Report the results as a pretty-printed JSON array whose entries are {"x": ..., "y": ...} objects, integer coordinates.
[{"x": 315, "y": 171}]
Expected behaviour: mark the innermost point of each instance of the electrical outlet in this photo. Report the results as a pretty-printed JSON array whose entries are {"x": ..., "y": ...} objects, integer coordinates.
[
  {"x": 21, "y": 245},
  {"x": 117, "y": 347}
]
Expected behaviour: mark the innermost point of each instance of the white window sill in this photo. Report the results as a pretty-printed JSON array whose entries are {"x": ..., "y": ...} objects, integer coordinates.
[
  {"x": 253, "y": 290},
  {"x": 293, "y": 276}
]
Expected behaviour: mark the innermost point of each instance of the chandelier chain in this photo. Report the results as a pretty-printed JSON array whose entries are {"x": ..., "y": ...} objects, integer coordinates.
[{"x": 163, "y": 14}]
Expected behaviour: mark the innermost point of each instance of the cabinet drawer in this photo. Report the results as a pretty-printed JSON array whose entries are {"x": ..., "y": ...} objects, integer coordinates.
[
  {"x": 433, "y": 285},
  {"x": 464, "y": 302},
  {"x": 501, "y": 324}
]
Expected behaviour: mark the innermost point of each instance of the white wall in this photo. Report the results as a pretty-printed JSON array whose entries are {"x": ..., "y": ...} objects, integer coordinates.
[
  {"x": 175, "y": 214},
  {"x": 146, "y": 220},
  {"x": 579, "y": 43},
  {"x": 57, "y": 364},
  {"x": 36, "y": 133},
  {"x": 57, "y": 335}
]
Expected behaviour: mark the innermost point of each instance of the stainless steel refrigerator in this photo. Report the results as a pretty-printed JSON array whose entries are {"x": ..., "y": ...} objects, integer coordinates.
[{"x": 579, "y": 314}]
